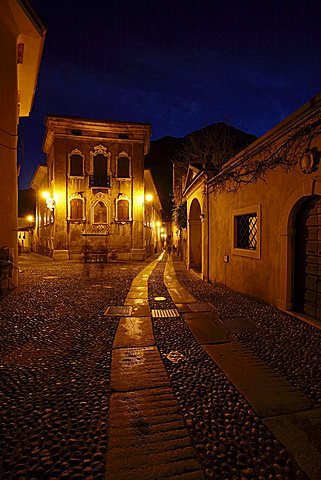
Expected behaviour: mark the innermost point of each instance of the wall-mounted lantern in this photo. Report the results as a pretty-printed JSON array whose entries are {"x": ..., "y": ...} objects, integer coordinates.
[{"x": 50, "y": 202}]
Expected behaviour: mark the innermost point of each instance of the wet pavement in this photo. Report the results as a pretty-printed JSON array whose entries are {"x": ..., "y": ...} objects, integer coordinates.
[{"x": 188, "y": 381}]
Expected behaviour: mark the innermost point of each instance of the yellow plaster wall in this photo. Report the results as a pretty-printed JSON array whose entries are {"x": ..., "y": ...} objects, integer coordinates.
[
  {"x": 8, "y": 143},
  {"x": 125, "y": 238},
  {"x": 269, "y": 277}
]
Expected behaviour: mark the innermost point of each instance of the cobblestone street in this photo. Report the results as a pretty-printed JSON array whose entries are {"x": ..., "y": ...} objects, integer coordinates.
[{"x": 184, "y": 380}]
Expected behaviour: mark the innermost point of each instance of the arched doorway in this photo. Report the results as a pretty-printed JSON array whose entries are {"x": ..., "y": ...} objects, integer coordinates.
[
  {"x": 307, "y": 258},
  {"x": 195, "y": 236}
]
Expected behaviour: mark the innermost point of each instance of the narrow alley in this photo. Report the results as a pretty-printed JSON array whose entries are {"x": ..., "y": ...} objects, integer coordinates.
[{"x": 142, "y": 371}]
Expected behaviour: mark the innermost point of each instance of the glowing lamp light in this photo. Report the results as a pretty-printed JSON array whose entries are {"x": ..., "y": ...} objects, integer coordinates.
[
  {"x": 158, "y": 224},
  {"x": 139, "y": 198},
  {"x": 57, "y": 197},
  {"x": 50, "y": 203},
  {"x": 30, "y": 218},
  {"x": 148, "y": 197}
]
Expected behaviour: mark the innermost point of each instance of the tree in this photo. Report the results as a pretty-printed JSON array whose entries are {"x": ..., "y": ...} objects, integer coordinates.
[
  {"x": 212, "y": 146},
  {"x": 284, "y": 153},
  {"x": 209, "y": 148},
  {"x": 180, "y": 215}
]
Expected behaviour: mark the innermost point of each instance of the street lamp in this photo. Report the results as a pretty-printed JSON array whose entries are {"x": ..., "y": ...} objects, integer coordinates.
[{"x": 50, "y": 202}]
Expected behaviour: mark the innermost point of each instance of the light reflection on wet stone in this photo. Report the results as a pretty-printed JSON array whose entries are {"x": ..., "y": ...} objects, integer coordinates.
[
  {"x": 56, "y": 357},
  {"x": 231, "y": 441}
]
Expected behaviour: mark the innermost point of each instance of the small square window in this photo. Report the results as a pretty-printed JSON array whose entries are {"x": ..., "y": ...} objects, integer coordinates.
[{"x": 246, "y": 231}]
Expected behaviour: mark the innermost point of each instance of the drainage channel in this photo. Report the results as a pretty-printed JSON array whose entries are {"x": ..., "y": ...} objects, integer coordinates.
[{"x": 231, "y": 441}]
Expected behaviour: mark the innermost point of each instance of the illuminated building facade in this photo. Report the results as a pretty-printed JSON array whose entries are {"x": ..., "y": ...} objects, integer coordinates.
[
  {"x": 21, "y": 43},
  {"x": 256, "y": 226},
  {"x": 91, "y": 193}
]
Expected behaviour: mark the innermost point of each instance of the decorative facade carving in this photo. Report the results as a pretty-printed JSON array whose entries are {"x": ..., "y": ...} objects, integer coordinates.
[
  {"x": 98, "y": 230},
  {"x": 100, "y": 209},
  {"x": 79, "y": 155},
  {"x": 99, "y": 150},
  {"x": 88, "y": 202},
  {"x": 308, "y": 161}
]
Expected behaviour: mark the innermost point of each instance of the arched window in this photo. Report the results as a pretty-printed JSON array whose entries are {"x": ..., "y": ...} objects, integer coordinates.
[
  {"x": 123, "y": 167},
  {"x": 123, "y": 210},
  {"x": 76, "y": 209},
  {"x": 76, "y": 163},
  {"x": 100, "y": 167},
  {"x": 100, "y": 213}
]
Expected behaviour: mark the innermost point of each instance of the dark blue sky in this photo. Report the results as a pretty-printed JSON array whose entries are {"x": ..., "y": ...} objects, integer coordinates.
[{"x": 179, "y": 65}]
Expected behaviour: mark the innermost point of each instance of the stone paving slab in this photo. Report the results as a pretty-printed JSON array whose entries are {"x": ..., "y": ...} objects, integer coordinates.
[
  {"x": 138, "y": 288},
  {"x": 268, "y": 392},
  {"x": 134, "y": 332},
  {"x": 148, "y": 439},
  {"x": 206, "y": 328},
  {"x": 183, "y": 307},
  {"x": 118, "y": 311},
  {"x": 176, "y": 290},
  {"x": 180, "y": 294},
  {"x": 196, "y": 307},
  {"x": 141, "y": 311},
  {"x": 137, "y": 368},
  {"x": 301, "y": 433},
  {"x": 136, "y": 301},
  {"x": 138, "y": 292},
  {"x": 138, "y": 283}
]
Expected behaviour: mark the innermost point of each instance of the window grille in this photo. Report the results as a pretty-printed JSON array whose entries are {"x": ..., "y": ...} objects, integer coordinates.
[{"x": 246, "y": 231}]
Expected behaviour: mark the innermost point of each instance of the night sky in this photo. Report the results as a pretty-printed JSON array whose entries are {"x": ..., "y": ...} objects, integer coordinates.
[{"x": 179, "y": 65}]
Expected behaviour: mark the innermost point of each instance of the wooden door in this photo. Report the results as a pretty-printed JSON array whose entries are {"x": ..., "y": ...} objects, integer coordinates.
[{"x": 307, "y": 280}]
